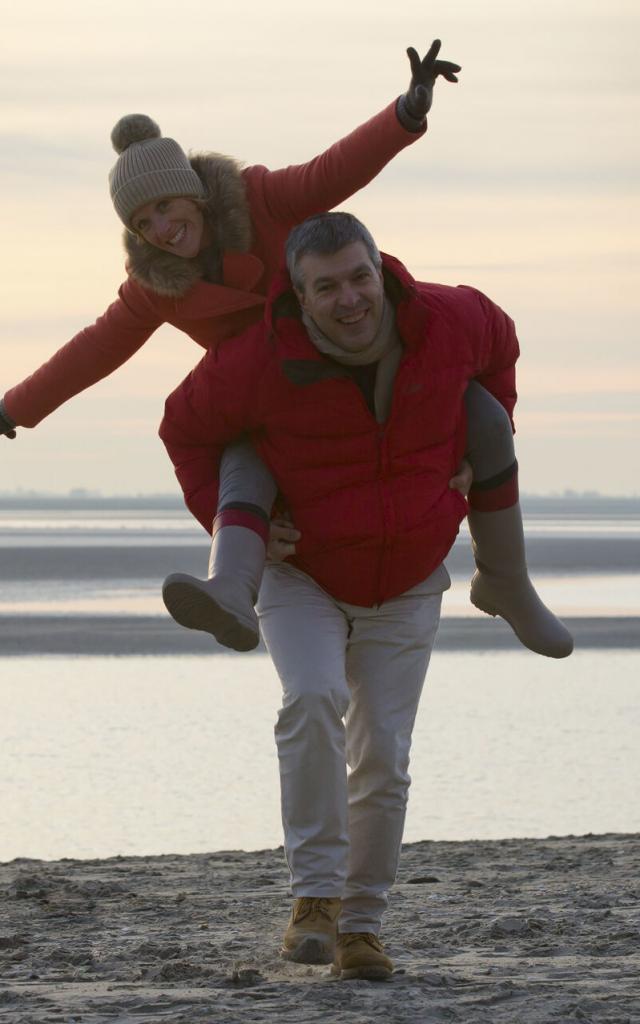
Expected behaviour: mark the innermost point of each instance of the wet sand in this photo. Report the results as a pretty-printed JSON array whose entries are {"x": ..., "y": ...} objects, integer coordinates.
[
  {"x": 101, "y": 635},
  {"x": 148, "y": 564},
  {"x": 490, "y": 932},
  {"x": 152, "y": 561}
]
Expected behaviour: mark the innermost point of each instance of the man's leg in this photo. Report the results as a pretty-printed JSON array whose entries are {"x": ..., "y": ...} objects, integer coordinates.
[
  {"x": 306, "y": 634},
  {"x": 387, "y": 660}
]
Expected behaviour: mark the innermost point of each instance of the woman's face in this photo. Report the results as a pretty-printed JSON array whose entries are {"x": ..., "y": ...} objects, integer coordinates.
[{"x": 175, "y": 225}]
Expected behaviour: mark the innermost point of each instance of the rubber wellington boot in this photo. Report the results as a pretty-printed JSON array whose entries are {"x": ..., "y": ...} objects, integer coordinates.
[
  {"x": 501, "y": 585},
  {"x": 223, "y": 604}
]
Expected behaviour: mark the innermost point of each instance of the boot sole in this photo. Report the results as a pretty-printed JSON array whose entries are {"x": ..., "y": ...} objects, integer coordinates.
[
  {"x": 195, "y": 609},
  {"x": 488, "y": 609},
  {"x": 309, "y": 951},
  {"x": 563, "y": 652}
]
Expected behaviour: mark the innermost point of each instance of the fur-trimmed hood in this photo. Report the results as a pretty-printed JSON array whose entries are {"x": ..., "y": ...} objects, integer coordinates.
[{"x": 226, "y": 207}]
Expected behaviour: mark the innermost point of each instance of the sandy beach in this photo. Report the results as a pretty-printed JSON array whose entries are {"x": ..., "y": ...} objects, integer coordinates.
[{"x": 488, "y": 932}]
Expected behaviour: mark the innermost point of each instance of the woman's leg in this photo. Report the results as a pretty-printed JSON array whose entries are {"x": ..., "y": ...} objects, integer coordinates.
[
  {"x": 501, "y": 584},
  {"x": 223, "y": 604}
]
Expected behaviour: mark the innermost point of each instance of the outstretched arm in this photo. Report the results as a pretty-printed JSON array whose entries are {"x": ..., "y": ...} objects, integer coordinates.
[
  {"x": 293, "y": 193},
  {"x": 91, "y": 355}
]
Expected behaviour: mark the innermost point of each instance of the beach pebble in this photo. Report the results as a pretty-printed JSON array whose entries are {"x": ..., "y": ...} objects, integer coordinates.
[
  {"x": 179, "y": 970},
  {"x": 246, "y": 976},
  {"x": 504, "y": 926},
  {"x": 29, "y": 887}
]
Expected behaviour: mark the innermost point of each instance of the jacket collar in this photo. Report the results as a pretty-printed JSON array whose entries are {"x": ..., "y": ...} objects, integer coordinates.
[
  {"x": 302, "y": 363},
  {"x": 227, "y": 207}
]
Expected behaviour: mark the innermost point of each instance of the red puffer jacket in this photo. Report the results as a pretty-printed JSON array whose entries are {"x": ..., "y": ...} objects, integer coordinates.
[
  {"x": 253, "y": 211},
  {"x": 372, "y": 502}
]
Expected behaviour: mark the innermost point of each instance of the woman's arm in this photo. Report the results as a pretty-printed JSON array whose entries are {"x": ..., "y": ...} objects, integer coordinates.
[
  {"x": 92, "y": 354},
  {"x": 298, "y": 191}
]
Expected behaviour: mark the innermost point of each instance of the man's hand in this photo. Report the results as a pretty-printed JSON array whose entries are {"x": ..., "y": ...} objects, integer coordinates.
[
  {"x": 282, "y": 539},
  {"x": 417, "y": 100},
  {"x": 463, "y": 479}
]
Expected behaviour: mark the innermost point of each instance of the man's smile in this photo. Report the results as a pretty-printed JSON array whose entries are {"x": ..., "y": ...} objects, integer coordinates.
[{"x": 352, "y": 318}]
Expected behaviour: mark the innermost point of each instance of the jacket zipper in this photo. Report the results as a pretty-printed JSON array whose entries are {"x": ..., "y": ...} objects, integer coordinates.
[
  {"x": 380, "y": 440},
  {"x": 382, "y": 465}
]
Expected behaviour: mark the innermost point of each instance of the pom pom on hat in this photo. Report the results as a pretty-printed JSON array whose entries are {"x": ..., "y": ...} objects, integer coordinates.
[
  {"x": 133, "y": 128},
  {"x": 148, "y": 167}
]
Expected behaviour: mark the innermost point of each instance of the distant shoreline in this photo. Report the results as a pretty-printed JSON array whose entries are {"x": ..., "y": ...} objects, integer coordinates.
[
  {"x": 133, "y": 635},
  {"x": 569, "y": 503},
  {"x": 122, "y": 558}
]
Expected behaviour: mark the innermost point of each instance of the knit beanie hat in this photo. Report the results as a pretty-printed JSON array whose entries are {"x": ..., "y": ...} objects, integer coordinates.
[{"x": 148, "y": 167}]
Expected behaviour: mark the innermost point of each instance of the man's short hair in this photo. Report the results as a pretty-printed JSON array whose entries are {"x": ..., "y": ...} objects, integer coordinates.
[{"x": 326, "y": 234}]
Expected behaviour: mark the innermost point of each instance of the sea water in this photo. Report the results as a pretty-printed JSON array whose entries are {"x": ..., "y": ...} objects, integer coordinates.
[
  {"x": 44, "y": 554},
  {"x": 145, "y": 755},
  {"x": 151, "y": 755}
]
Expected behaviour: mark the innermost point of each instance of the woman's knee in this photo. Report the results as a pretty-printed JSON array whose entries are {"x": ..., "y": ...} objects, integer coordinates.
[
  {"x": 244, "y": 477},
  {"x": 489, "y": 433}
]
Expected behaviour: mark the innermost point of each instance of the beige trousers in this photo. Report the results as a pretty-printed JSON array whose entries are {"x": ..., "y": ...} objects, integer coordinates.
[{"x": 351, "y": 680}]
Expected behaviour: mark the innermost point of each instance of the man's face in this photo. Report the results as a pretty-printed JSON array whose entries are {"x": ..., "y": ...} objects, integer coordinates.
[{"x": 344, "y": 294}]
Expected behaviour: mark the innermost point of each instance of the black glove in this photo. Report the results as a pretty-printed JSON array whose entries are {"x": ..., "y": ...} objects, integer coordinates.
[
  {"x": 6, "y": 424},
  {"x": 416, "y": 102}
]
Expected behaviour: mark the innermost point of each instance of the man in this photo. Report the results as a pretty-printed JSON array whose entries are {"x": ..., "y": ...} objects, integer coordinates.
[{"x": 352, "y": 391}]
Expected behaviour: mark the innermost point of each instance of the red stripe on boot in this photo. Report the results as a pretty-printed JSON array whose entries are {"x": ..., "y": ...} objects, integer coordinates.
[
  {"x": 238, "y": 517},
  {"x": 503, "y": 496}
]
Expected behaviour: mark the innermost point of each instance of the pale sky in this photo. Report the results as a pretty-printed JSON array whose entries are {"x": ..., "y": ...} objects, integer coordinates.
[{"x": 526, "y": 186}]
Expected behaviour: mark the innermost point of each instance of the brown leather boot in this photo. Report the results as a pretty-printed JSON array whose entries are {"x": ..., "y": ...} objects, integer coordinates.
[
  {"x": 310, "y": 937},
  {"x": 361, "y": 955}
]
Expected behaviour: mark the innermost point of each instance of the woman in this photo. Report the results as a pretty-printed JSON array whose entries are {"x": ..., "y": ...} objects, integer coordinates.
[{"x": 204, "y": 238}]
